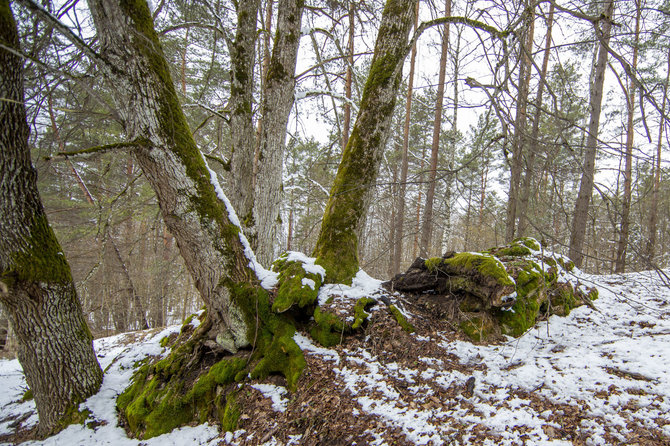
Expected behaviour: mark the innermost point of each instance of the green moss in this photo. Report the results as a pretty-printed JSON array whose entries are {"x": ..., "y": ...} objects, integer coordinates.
[
  {"x": 514, "y": 250},
  {"x": 433, "y": 263},
  {"x": 593, "y": 294},
  {"x": 477, "y": 328},
  {"x": 359, "y": 311},
  {"x": 231, "y": 413},
  {"x": 402, "y": 320},
  {"x": 563, "y": 299},
  {"x": 529, "y": 242},
  {"x": 27, "y": 395},
  {"x": 485, "y": 264},
  {"x": 292, "y": 289},
  {"x": 329, "y": 329}
]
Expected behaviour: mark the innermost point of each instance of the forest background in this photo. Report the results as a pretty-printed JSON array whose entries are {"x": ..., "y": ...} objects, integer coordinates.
[{"x": 500, "y": 155}]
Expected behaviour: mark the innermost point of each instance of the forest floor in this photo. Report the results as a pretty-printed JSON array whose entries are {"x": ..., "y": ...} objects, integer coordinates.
[{"x": 597, "y": 376}]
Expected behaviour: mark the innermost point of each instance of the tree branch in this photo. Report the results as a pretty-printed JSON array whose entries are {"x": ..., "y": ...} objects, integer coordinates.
[{"x": 100, "y": 149}]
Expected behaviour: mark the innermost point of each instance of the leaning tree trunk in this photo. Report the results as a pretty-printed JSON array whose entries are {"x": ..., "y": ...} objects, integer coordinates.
[
  {"x": 581, "y": 213},
  {"x": 337, "y": 246},
  {"x": 277, "y": 103},
  {"x": 203, "y": 226},
  {"x": 55, "y": 345}
]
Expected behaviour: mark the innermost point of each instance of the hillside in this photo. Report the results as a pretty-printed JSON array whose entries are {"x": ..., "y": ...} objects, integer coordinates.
[{"x": 597, "y": 376}]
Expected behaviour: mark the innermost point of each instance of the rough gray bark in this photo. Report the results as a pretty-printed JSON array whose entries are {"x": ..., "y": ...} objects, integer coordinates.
[
  {"x": 534, "y": 143},
  {"x": 622, "y": 246},
  {"x": 277, "y": 103},
  {"x": 581, "y": 213},
  {"x": 170, "y": 160},
  {"x": 399, "y": 223},
  {"x": 337, "y": 246},
  {"x": 55, "y": 346},
  {"x": 242, "y": 56},
  {"x": 427, "y": 224},
  {"x": 348, "y": 77}
]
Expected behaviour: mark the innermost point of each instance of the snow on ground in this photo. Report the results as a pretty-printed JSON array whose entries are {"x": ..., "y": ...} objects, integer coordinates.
[{"x": 607, "y": 370}]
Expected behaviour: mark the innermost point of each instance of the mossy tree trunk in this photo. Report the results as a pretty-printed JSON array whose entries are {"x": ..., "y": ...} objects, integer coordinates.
[
  {"x": 205, "y": 232},
  {"x": 580, "y": 216},
  {"x": 337, "y": 245},
  {"x": 277, "y": 103},
  {"x": 54, "y": 343},
  {"x": 242, "y": 134}
]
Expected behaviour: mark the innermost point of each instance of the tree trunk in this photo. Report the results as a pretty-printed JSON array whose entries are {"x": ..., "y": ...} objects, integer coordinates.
[
  {"x": 348, "y": 77},
  {"x": 277, "y": 103},
  {"x": 194, "y": 212},
  {"x": 622, "y": 247},
  {"x": 520, "y": 137},
  {"x": 534, "y": 143},
  {"x": 55, "y": 346},
  {"x": 337, "y": 245},
  {"x": 581, "y": 213},
  {"x": 427, "y": 224},
  {"x": 398, "y": 227},
  {"x": 653, "y": 211},
  {"x": 242, "y": 56}
]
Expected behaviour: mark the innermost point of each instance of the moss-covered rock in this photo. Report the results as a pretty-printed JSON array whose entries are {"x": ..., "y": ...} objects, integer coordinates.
[
  {"x": 296, "y": 285},
  {"x": 339, "y": 317},
  {"x": 478, "y": 326}
]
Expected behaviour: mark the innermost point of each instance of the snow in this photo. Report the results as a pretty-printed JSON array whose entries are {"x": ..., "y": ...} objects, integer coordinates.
[
  {"x": 609, "y": 365},
  {"x": 276, "y": 393},
  {"x": 308, "y": 264}
]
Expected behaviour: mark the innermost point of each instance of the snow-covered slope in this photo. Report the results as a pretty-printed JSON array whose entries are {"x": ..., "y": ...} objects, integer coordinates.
[{"x": 594, "y": 377}]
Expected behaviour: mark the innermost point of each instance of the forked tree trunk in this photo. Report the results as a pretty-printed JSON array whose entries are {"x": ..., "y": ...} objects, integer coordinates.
[
  {"x": 580, "y": 216},
  {"x": 622, "y": 246},
  {"x": 277, "y": 103},
  {"x": 200, "y": 222},
  {"x": 337, "y": 245},
  {"x": 55, "y": 345},
  {"x": 427, "y": 224},
  {"x": 399, "y": 223}
]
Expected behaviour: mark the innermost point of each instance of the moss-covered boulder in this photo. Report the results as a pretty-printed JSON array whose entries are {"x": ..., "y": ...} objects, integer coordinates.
[
  {"x": 503, "y": 291},
  {"x": 339, "y": 316}
]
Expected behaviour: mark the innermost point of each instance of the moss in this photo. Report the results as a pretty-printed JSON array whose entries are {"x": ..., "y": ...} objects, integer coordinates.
[
  {"x": 402, "y": 320},
  {"x": 529, "y": 242},
  {"x": 514, "y": 251},
  {"x": 433, "y": 263},
  {"x": 530, "y": 284},
  {"x": 485, "y": 264},
  {"x": 231, "y": 413},
  {"x": 568, "y": 265},
  {"x": 27, "y": 395},
  {"x": 593, "y": 294},
  {"x": 72, "y": 415},
  {"x": 359, "y": 311},
  {"x": 292, "y": 289},
  {"x": 477, "y": 328},
  {"x": 329, "y": 329},
  {"x": 563, "y": 299}
]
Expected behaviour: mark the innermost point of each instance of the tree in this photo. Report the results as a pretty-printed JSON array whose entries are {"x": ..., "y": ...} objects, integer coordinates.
[
  {"x": 55, "y": 344},
  {"x": 337, "y": 246},
  {"x": 580, "y": 217}
]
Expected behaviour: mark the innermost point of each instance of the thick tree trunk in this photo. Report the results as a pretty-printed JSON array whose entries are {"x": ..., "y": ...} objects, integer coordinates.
[
  {"x": 622, "y": 246},
  {"x": 242, "y": 57},
  {"x": 194, "y": 213},
  {"x": 337, "y": 246},
  {"x": 54, "y": 343},
  {"x": 534, "y": 143},
  {"x": 398, "y": 227},
  {"x": 581, "y": 213},
  {"x": 520, "y": 137},
  {"x": 653, "y": 211},
  {"x": 277, "y": 103},
  {"x": 427, "y": 224}
]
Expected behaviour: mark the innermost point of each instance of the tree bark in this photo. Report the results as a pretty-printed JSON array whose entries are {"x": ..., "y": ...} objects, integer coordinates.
[
  {"x": 653, "y": 211},
  {"x": 337, "y": 245},
  {"x": 348, "y": 77},
  {"x": 55, "y": 346},
  {"x": 200, "y": 221},
  {"x": 242, "y": 56},
  {"x": 398, "y": 227},
  {"x": 277, "y": 103},
  {"x": 622, "y": 246},
  {"x": 520, "y": 136},
  {"x": 534, "y": 143},
  {"x": 427, "y": 224},
  {"x": 581, "y": 213}
]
